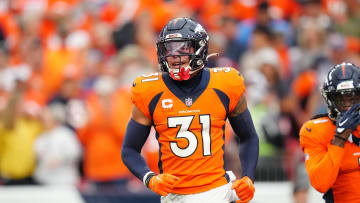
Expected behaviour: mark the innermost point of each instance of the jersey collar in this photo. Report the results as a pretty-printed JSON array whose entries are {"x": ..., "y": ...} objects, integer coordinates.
[{"x": 184, "y": 96}]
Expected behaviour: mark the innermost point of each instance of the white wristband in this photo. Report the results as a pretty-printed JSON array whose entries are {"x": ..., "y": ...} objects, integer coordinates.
[{"x": 146, "y": 175}]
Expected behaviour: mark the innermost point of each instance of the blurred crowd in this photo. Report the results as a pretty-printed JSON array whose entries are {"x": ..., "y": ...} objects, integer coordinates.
[{"x": 66, "y": 67}]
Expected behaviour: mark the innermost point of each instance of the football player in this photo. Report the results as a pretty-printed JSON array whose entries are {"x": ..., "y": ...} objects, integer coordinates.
[
  {"x": 331, "y": 142},
  {"x": 188, "y": 105}
]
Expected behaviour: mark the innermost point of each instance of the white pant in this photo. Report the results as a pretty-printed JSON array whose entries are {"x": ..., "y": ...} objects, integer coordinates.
[{"x": 222, "y": 194}]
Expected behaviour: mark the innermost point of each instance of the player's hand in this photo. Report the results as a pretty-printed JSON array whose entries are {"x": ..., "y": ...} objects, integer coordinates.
[
  {"x": 244, "y": 189},
  {"x": 348, "y": 120},
  {"x": 162, "y": 184}
]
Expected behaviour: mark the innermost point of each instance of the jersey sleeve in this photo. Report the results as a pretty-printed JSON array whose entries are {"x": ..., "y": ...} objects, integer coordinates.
[
  {"x": 141, "y": 92},
  {"x": 136, "y": 97},
  {"x": 238, "y": 90},
  {"x": 322, "y": 159}
]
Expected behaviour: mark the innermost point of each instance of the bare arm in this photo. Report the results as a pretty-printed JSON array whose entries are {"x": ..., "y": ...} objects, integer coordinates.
[
  {"x": 9, "y": 114},
  {"x": 139, "y": 117},
  {"x": 240, "y": 107}
]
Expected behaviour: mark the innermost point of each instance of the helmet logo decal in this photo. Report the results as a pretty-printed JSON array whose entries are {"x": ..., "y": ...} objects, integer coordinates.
[
  {"x": 199, "y": 29},
  {"x": 173, "y": 35},
  {"x": 345, "y": 85}
]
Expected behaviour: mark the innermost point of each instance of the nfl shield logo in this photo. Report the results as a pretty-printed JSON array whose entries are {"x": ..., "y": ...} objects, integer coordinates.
[{"x": 188, "y": 101}]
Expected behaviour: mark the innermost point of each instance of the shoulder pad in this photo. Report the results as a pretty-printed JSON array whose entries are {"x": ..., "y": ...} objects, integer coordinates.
[
  {"x": 143, "y": 79},
  {"x": 223, "y": 69},
  {"x": 230, "y": 82},
  {"x": 318, "y": 124},
  {"x": 319, "y": 116},
  {"x": 143, "y": 90}
]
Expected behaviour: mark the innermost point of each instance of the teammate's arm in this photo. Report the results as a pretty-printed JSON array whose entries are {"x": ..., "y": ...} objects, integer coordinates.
[
  {"x": 242, "y": 124},
  {"x": 322, "y": 161},
  {"x": 137, "y": 132}
]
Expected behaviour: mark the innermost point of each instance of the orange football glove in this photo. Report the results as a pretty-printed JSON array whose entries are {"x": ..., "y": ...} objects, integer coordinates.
[
  {"x": 162, "y": 184},
  {"x": 244, "y": 189}
]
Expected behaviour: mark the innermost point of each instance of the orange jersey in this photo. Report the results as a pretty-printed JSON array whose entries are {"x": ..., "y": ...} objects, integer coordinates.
[
  {"x": 330, "y": 166},
  {"x": 190, "y": 128}
]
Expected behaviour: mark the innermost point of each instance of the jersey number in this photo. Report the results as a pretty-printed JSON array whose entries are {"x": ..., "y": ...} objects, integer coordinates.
[
  {"x": 150, "y": 77},
  {"x": 184, "y": 122}
]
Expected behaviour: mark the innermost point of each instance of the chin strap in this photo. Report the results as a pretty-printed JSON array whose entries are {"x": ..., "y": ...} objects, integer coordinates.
[{"x": 183, "y": 74}]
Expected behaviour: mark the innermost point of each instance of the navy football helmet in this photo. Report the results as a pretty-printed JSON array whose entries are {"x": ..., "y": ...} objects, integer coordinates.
[
  {"x": 341, "y": 88},
  {"x": 183, "y": 37}
]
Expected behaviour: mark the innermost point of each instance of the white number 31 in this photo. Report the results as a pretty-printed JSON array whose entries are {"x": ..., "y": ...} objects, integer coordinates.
[{"x": 184, "y": 132}]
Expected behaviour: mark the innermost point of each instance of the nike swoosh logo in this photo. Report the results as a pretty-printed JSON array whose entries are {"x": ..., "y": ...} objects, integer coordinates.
[
  {"x": 340, "y": 130},
  {"x": 342, "y": 123},
  {"x": 308, "y": 129}
]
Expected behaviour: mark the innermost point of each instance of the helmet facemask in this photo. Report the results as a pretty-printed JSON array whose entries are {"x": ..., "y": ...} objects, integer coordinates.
[
  {"x": 179, "y": 39},
  {"x": 341, "y": 101},
  {"x": 173, "y": 55},
  {"x": 176, "y": 56}
]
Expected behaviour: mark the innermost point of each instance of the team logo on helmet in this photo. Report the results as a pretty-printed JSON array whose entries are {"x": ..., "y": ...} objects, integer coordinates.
[
  {"x": 199, "y": 29},
  {"x": 345, "y": 85}
]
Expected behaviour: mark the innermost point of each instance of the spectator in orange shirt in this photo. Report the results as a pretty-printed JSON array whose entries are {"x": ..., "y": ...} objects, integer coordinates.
[{"x": 108, "y": 111}]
